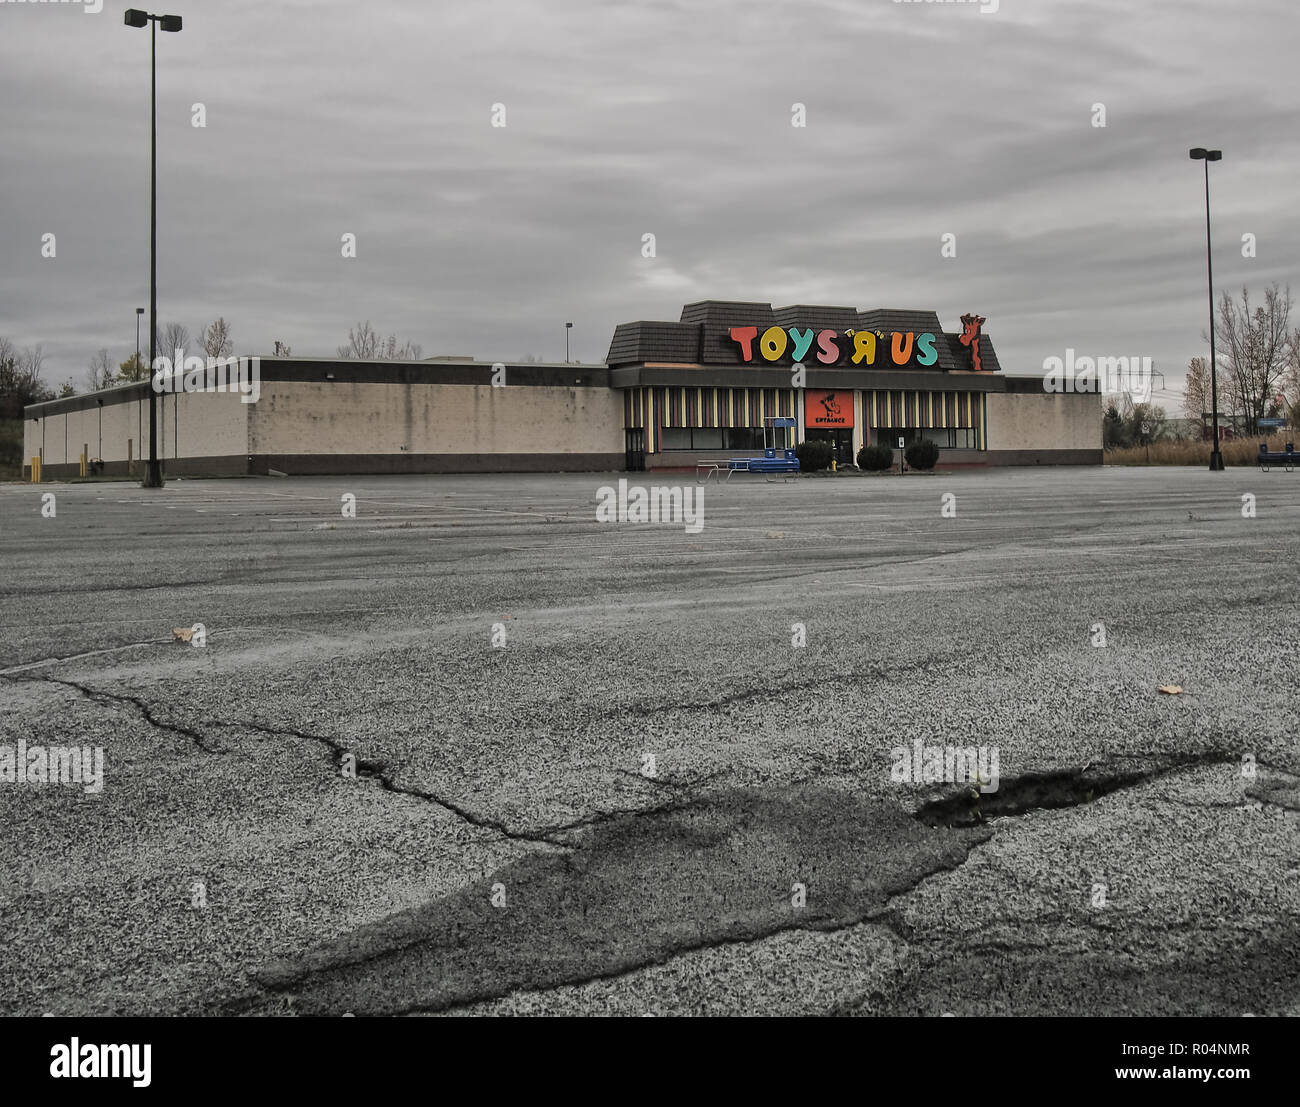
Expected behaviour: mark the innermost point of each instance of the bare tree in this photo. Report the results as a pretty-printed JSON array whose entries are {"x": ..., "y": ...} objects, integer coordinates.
[
  {"x": 172, "y": 337},
  {"x": 1196, "y": 390},
  {"x": 217, "y": 341},
  {"x": 100, "y": 373},
  {"x": 1291, "y": 383},
  {"x": 364, "y": 342},
  {"x": 1255, "y": 349},
  {"x": 283, "y": 349},
  {"x": 407, "y": 351},
  {"x": 67, "y": 388},
  {"x": 20, "y": 378},
  {"x": 31, "y": 363},
  {"x": 26, "y": 370}
]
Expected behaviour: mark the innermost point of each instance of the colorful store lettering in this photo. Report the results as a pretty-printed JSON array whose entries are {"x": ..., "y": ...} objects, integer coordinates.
[{"x": 833, "y": 348}]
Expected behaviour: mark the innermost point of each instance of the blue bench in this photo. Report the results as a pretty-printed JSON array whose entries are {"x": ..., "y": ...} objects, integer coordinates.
[{"x": 1285, "y": 457}]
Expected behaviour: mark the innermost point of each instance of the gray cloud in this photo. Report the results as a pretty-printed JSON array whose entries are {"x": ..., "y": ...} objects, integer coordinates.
[{"x": 628, "y": 118}]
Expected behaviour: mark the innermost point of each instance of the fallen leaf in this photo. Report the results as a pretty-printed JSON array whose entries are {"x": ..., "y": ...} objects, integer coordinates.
[
  {"x": 1171, "y": 689},
  {"x": 182, "y": 634}
]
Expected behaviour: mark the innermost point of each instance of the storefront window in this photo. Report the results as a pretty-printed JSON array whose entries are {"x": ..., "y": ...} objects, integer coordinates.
[
  {"x": 692, "y": 438},
  {"x": 946, "y": 438},
  {"x": 744, "y": 438},
  {"x": 889, "y": 436}
]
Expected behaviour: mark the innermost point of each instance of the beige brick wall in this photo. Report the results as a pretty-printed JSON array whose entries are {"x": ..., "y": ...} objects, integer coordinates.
[
  {"x": 190, "y": 424},
  {"x": 201, "y": 424},
  {"x": 105, "y": 430},
  {"x": 1044, "y": 421},
  {"x": 309, "y": 417}
]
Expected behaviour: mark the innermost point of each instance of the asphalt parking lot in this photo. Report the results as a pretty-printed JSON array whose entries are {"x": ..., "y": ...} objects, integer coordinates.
[{"x": 473, "y": 751}]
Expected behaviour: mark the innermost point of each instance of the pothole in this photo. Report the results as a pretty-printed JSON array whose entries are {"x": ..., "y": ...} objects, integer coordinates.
[
  {"x": 732, "y": 868},
  {"x": 1046, "y": 791}
]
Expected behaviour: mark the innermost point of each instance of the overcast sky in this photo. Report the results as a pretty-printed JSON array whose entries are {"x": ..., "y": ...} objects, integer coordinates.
[{"x": 652, "y": 116}]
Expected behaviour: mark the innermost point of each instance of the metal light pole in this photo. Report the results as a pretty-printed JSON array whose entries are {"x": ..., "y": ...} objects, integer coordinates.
[
  {"x": 1199, "y": 153},
  {"x": 137, "y": 18},
  {"x": 567, "y": 328},
  {"x": 138, "y": 312}
]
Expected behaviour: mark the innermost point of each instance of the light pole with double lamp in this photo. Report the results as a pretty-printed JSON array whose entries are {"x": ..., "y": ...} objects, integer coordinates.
[
  {"x": 567, "y": 328},
  {"x": 1199, "y": 153},
  {"x": 137, "y": 18}
]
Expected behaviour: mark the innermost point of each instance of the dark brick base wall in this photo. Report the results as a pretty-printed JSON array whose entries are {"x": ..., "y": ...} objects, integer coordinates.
[
  {"x": 232, "y": 465},
  {"x": 352, "y": 464},
  {"x": 1043, "y": 457},
  {"x": 684, "y": 460}
]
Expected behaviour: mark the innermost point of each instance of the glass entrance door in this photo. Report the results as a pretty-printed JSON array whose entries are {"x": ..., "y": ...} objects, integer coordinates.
[
  {"x": 840, "y": 439},
  {"x": 634, "y": 449}
]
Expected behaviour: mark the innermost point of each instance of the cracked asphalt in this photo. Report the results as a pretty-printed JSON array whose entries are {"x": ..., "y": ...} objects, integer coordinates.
[{"x": 647, "y": 800}]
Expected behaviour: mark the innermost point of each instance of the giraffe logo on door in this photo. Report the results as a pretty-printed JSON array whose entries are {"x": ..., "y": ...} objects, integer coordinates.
[{"x": 832, "y": 408}]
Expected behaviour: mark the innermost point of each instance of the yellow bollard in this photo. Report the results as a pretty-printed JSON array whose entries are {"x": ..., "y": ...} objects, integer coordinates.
[{"x": 36, "y": 470}]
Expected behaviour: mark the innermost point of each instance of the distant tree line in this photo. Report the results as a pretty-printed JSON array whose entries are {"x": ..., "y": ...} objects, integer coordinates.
[
  {"x": 20, "y": 369},
  {"x": 365, "y": 342}
]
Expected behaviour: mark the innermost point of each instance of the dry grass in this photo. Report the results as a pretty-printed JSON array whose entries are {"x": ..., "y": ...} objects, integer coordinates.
[{"x": 1240, "y": 451}]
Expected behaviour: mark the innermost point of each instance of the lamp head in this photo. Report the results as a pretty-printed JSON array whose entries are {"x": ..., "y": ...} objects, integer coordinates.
[
  {"x": 136, "y": 18},
  {"x": 169, "y": 22}
]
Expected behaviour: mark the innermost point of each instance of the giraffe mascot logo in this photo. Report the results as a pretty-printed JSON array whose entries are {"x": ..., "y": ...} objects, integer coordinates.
[{"x": 970, "y": 336}]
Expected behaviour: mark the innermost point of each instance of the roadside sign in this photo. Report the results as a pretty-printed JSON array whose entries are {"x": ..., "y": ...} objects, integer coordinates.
[
  {"x": 1146, "y": 428},
  {"x": 1271, "y": 422},
  {"x": 900, "y": 443}
]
